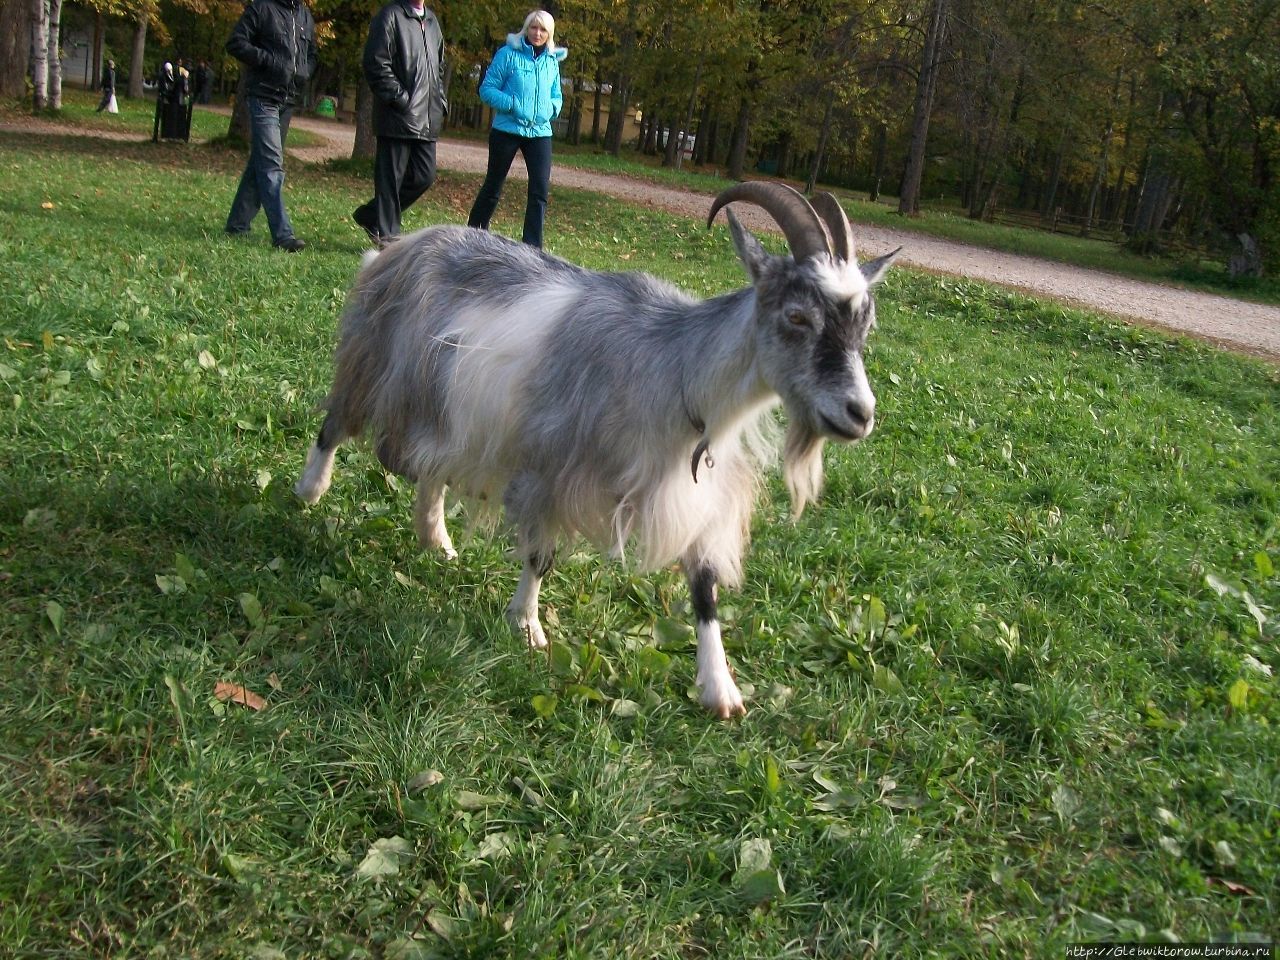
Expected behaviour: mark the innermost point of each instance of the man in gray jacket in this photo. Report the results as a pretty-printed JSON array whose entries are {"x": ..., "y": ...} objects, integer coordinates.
[
  {"x": 276, "y": 41},
  {"x": 404, "y": 64}
]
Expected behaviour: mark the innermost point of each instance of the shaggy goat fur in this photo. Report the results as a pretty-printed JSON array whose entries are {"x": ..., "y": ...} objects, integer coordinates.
[{"x": 579, "y": 400}]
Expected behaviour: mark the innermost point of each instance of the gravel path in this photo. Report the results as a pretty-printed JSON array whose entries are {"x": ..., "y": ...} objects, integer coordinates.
[{"x": 1237, "y": 325}]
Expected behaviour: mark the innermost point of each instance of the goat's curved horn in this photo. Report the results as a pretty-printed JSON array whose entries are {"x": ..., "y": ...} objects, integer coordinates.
[
  {"x": 805, "y": 232},
  {"x": 829, "y": 209}
]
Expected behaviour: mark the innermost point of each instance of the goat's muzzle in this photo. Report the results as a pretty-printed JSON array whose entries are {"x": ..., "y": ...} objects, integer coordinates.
[{"x": 854, "y": 422}]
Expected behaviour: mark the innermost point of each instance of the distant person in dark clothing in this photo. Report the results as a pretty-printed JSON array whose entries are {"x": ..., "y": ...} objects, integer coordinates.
[
  {"x": 108, "y": 85},
  {"x": 204, "y": 83},
  {"x": 404, "y": 64},
  {"x": 276, "y": 41}
]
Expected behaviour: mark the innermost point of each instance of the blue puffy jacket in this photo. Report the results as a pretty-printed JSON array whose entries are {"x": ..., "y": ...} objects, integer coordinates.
[{"x": 524, "y": 90}]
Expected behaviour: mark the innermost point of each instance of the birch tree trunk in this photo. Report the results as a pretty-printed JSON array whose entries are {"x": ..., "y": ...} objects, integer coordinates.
[
  {"x": 909, "y": 196},
  {"x": 136, "y": 66},
  {"x": 54, "y": 92},
  {"x": 40, "y": 54}
]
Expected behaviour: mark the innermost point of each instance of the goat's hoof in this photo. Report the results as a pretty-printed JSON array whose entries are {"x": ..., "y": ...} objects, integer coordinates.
[
  {"x": 531, "y": 630},
  {"x": 308, "y": 493},
  {"x": 723, "y": 700}
]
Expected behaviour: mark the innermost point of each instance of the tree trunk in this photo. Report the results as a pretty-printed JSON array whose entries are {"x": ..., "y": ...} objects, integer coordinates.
[
  {"x": 596, "y": 104},
  {"x": 1100, "y": 173},
  {"x": 136, "y": 65},
  {"x": 881, "y": 160},
  {"x": 1153, "y": 207},
  {"x": 1247, "y": 261},
  {"x": 98, "y": 39},
  {"x": 618, "y": 104},
  {"x": 909, "y": 195},
  {"x": 784, "y": 154},
  {"x": 1049, "y": 194},
  {"x": 15, "y": 47},
  {"x": 741, "y": 134},
  {"x": 55, "y": 55},
  {"x": 820, "y": 154},
  {"x": 704, "y": 134},
  {"x": 238, "y": 130},
  {"x": 687, "y": 131},
  {"x": 40, "y": 54},
  {"x": 366, "y": 144}
]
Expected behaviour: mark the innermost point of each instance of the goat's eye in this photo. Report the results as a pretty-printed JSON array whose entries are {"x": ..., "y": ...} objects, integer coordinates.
[{"x": 798, "y": 318}]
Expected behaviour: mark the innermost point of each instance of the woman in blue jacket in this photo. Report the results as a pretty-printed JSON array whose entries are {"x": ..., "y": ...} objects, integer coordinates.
[{"x": 522, "y": 85}]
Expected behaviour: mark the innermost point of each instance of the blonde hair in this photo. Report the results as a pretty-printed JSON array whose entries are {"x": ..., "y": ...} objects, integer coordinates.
[{"x": 544, "y": 20}]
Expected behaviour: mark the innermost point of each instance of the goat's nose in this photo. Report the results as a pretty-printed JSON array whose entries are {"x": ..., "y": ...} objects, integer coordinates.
[{"x": 860, "y": 413}]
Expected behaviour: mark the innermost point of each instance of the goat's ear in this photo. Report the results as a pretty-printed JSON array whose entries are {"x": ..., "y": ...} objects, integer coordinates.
[
  {"x": 749, "y": 250},
  {"x": 874, "y": 270}
]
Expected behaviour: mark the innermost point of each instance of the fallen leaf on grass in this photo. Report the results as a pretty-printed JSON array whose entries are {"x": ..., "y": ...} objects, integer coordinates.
[
  {"x": 384, "y": 858},
  {"x": 225, "y": 691},
  {"x": 1232, "y": 887}
]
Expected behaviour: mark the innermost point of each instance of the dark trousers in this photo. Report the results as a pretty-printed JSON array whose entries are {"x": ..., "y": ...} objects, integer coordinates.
[
  {"x": 503, "y": 147},
  {"x": 262, "y": 185},
  {"x": 107, "y": 94},
  {"x": 402, "y": 172}
]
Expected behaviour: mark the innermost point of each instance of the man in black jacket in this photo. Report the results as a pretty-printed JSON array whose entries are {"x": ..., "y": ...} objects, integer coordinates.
[
  {"x": 404, "y": 64},
  {"x": 276, "y": 41}
]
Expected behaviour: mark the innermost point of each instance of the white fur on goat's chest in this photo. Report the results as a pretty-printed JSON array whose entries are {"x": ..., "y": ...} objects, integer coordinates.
[{"x": 630, "y": 491}]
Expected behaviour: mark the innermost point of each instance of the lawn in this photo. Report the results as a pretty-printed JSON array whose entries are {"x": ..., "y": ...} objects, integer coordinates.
[
  {"x": 1010, "y": 683},
  {"x": 79, "y": 110}
]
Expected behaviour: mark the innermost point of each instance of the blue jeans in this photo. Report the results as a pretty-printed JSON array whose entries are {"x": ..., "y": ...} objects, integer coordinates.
[
  {"x": 262, "y": 185},
  {"x": 537, "y": 160}
]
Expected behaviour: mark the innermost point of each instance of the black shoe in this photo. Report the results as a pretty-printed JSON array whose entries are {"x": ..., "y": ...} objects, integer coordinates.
[
  {"x": 291, "y": 244},
  {"x": 369, "y": 228},
  {"x": 234, "y": 232}
]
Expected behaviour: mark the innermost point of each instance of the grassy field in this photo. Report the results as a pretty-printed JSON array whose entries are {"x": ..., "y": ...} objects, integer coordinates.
[
  {"x": 79, "y": 110},
  {"x": 1010, "y": 682}
]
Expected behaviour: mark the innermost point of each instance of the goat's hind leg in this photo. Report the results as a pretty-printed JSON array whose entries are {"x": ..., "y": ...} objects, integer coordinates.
[
  {"x": 720, "y": 693},
  {"x": 318, "y": 471},
  {"x": 527, "y": 501},
  {"x": 428, "y": 518}
]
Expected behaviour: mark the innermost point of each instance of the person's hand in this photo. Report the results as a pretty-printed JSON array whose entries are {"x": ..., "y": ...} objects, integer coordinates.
[{"x": 519, "y": 110}]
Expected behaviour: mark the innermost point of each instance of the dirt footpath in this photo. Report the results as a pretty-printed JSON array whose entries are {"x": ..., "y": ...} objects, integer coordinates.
[{"x": 1235, "y": 324}]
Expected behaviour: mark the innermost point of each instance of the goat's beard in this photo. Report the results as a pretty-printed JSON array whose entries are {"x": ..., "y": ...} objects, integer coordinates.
[{"x": 802, "y": 465}]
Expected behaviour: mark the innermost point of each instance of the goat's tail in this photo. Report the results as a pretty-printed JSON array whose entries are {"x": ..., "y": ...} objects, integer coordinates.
[{"x": 358, "y": 365}]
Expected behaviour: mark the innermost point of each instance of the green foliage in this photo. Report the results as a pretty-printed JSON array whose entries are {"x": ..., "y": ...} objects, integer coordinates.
[{"x": 1010, "y": 683}]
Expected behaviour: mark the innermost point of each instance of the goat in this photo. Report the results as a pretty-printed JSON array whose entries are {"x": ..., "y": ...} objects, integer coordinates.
[{"x": 587, "y": 402}]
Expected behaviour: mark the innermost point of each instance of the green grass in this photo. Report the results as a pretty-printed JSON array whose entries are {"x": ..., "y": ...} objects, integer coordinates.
[
  {"x": 79, "y": 110},
  {"x": 1006, "y": 691}
]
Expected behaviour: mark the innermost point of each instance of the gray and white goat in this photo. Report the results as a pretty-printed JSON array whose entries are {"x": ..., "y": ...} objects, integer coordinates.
[{"x": 586, "y": 402}]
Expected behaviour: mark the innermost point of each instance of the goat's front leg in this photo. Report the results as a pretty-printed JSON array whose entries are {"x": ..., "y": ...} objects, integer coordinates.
[
  {"x": 428, "y": 518},
  {"x": 719, "y": 694},
  {"x": 522, "y": 612}
]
